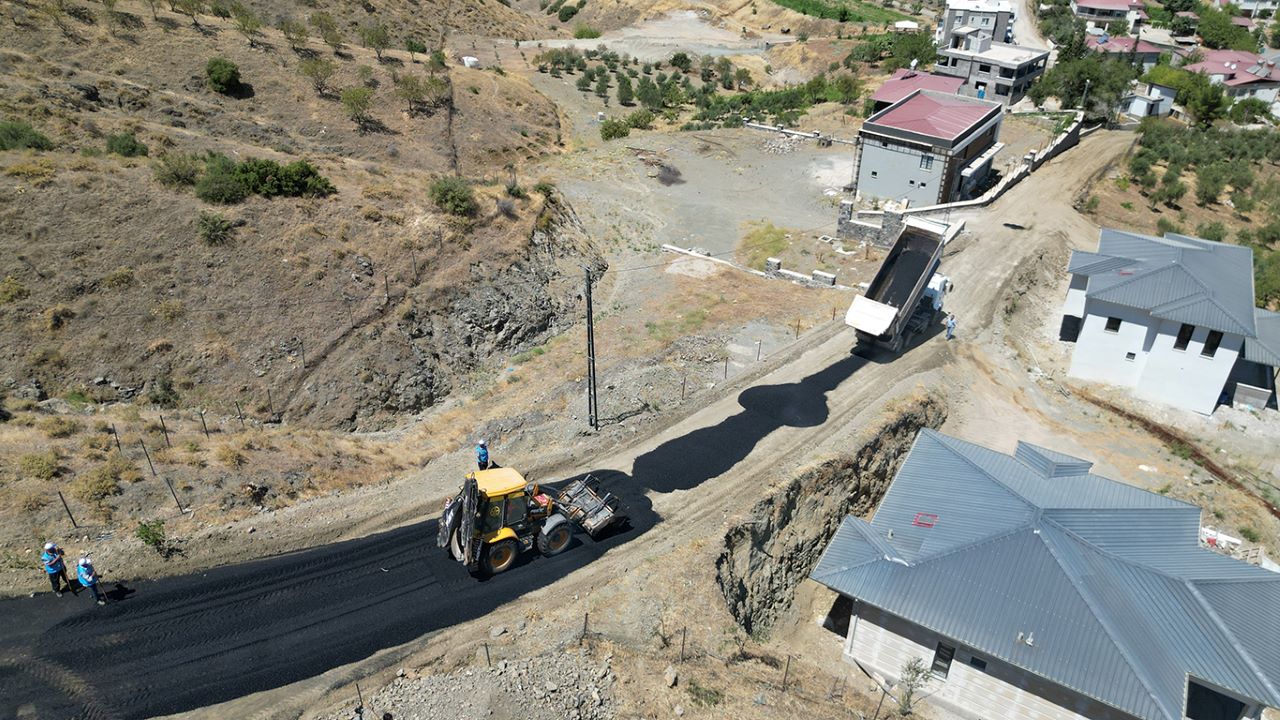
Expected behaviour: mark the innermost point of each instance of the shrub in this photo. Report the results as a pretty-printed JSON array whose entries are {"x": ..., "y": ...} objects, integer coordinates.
[
  {"x": 1215, "y": 231},
  {"x": 56, "y": 317},
  {"x": 229, "y": 456},
  {"x": 454, "y": 196},
  {"x": 178, "y": 169},
  {"x": 1250, "y": 534},
  {"x": 567, "y": 12},
  {"x": 151, "y": 534},
  {"x": 214, "y": 229},
  {"x": 585, "y": 32},
  {"x": 640, "y": 119},
  {"x": 41, "y": 466},
  {"x": 222, "y": 75},
  {"x": 357, "y": 101},
  {"x": 126, "y": 144},
  {"x": 220, "y": 183},
  {"x": 614, "y": 129},
  {"x": 118, "y": 279},
  {"x": 96, "y": 485},
  {"x": 21, "y": 136},
  {"x": 12, "y": 291},
  {"x": 544, "y": 188},
  {"x": 162, "y": 393},
  {"x": 516, "y": 191},
  {"x": 59, "y": 427}
]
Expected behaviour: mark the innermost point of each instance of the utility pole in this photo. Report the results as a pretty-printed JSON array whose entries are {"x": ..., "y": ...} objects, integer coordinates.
[
  {"x": 593, "y": 406},
  {"x": 1084, "y": 107}
]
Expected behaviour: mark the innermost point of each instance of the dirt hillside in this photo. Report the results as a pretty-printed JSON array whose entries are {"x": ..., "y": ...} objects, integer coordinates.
[{"x": 347, "y": 307}]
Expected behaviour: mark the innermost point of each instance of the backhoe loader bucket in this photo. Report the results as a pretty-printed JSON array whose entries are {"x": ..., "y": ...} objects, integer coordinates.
[{"x": 583, "y": 503}]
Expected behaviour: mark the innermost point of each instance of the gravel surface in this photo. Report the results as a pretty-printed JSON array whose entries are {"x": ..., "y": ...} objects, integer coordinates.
[{"x": 553, "y": 686}]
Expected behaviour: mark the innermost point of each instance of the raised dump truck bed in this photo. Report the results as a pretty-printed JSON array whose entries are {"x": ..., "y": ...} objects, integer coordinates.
[{"x": 904, "y": 297}]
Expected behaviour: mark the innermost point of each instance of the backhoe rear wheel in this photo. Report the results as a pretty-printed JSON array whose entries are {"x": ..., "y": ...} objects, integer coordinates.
[
  {"x": 554, "y": 541},
  {"x": 500, "y": 556}
]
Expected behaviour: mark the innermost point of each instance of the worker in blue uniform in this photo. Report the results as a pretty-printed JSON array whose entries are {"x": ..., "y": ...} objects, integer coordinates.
[{"x": 55, "y": 568}]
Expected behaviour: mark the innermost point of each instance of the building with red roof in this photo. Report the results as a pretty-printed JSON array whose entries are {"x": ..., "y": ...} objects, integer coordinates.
[
  {"x": 928, "y": 148},
  {"x": 1123, "y": 48},
  {"x": 1244, "y": 74},
  {"x": 904, "y": 82}
]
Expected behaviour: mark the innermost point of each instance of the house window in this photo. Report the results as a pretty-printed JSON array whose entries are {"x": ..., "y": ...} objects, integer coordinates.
[
  {"x": 875, "y": 173},
  {"x": 912, "y": 183},
  {"x": 1002, "y": 89},
  {"x": 984, "y": 68},
  {"x": 1130, "y": 356},
  {"x": 1113, "y": 324},
  {"x": 986, "y": 21},
  {"x": 978, "y": 663},
  {"x": 1211, "y": 343},
  {"x": 942, "y": 660},
  {"x": 1184, "y": 336},
  {"x": 926, "y": 162},
  {"x": 921, "y": 184}
]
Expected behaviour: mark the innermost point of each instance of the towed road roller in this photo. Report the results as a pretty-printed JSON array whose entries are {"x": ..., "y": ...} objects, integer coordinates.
[{"x": 497, "y": 515}]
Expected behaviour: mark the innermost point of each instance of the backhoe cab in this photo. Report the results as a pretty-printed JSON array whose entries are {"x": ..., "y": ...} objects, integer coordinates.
[{"x": 497, "y": 515}]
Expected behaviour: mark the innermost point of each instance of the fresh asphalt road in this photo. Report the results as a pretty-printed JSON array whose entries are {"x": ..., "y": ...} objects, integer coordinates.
[{"x": 179, "y": 643}]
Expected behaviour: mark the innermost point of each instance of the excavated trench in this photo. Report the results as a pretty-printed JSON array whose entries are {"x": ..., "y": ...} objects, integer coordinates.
[{"x": 765, "y": 558}]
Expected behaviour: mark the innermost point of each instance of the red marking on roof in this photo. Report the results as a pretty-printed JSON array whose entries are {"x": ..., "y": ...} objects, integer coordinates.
[
  {"x": 904, "y": 82},
  {"x": 945, "y": 117},
  {"x": 924, "y": 520}
]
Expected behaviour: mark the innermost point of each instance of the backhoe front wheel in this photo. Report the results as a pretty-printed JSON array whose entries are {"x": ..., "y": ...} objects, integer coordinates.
[
  {"x": 554, "y": 541},
  {"x": 500, "y": 556}
]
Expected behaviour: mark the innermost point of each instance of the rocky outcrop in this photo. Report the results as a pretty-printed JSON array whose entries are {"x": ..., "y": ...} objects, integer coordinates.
[{"x": 763, "y": 560}]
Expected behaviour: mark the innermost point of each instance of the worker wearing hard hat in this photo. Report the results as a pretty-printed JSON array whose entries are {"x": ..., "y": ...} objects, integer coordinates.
[
  {"x": 89, "y": 578},
  {"x": 482, "y": 455},
  {"x": 55, "y": 568}
]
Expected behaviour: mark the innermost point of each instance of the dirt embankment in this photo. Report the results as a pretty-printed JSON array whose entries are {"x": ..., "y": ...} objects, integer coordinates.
[{"x": 765, "y": 558}]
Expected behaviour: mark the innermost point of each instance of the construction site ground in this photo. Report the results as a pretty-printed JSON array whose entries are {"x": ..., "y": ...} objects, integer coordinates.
[{"x": 365, "y": 609}]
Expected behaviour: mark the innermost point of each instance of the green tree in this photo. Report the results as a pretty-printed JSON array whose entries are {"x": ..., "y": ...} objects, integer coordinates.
[
  {"x": 153, "y": 6},
  {"x": 1218, "y": 32},
  {"x": 327, "y": 28},
  {"x": 247, "y": 23},
  {"x": 681, "y": 60},
  {"x": 16, "y": 135},
  {"x": 222, "y": 76},
  {"x": 1205, "y": 101},
  {"x": 436, "y": 62},
  {"x": 412, "y": 90},
  {"x": 190, "y": 8},
  {"x": 648, "y": 93},
  {"x": 742, "y": 78},
  {"x": 413, "y": 45},
  {"x": 1106, "y": 82},
  {"x": 913, "y": 677},
  {"x": 612, "y": 129},
  {"x": 1247, "y": 111},
  {"x": 602, "y": 86},
  {"x": 906, "y": 47},
  {"x": 454, "y": 196},
  {"x": 1074, "y": 48},
  {"x": 294, "y": 31},
  {"x": 319, "y": 71},
  {"x": 724, "y": 69},
  {"x": 584, "y": 82},
  {"x": 357, "y": 101},
  {"x": 626, "y": 96},
  {"x": 376, "y": 37}
]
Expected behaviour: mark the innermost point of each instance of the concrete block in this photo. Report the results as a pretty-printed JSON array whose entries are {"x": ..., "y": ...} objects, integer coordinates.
[
  {"x": 824, "y": 278},
  {"x": 772, "y": 264}
]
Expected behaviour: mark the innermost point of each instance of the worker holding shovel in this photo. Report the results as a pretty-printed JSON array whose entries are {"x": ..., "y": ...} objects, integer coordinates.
[
  {"x": 88, "y": 578},
  {"x": 55, "y": 568}
]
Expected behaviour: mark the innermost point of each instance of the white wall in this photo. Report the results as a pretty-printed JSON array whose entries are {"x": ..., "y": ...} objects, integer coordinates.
[
  {"x": 1181, "y": 378},
  {"x": 1100, "y": 355},
  {"x": 1074, "y": 306},
  {"x": 1185, "y": 378},
  {"x": 884, "y": 643}
]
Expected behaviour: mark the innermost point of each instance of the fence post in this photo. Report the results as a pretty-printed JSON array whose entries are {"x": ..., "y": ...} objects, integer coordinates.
[
  {"x": 144, "y": 452},
  {"x": 204, "y": 425},
  {"x": 684, "y": 632},
  {"x": 68, "y": 509},
  {"x": 584, "y": 628},
  {"x": 786, "y": 672},
  {"x": 759, "y": 347},
  {"x": 240, "y": 414},
  {"x": 683, "y": 380},
  {"x": 165, "y": 428},
  {"x": 487, "y": 660},
  {"x": 116, "y": 435},
  {"x": 174, "y": 493}
]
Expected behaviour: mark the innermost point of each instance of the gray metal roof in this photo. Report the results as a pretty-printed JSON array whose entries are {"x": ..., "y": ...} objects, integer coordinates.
[
  {"x": 1178, "y": 278},
  {"x": 1124, "y": 604},
  {"x": 1265, "y": 347}
]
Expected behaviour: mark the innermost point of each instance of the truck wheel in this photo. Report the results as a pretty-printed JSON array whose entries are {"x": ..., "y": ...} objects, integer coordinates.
[
  {"x": 555, "y": 541},
  {"x": 500, "y": 556}
]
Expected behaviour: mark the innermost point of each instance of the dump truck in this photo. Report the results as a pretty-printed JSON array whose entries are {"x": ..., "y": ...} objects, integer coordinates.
[
  {"x": 496, "y": 515},
  {"x": 905, "y": 296}
]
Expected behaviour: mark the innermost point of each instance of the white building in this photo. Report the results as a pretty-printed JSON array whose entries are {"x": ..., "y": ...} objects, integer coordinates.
[
  {"x": 1147, "y": 99},
  {"x": 1173, "y": 319},
  {"x": 1035, "y": 590}
]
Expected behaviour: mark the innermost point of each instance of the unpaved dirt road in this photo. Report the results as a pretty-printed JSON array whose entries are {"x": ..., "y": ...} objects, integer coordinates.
[{"x": 265, "y": 627}]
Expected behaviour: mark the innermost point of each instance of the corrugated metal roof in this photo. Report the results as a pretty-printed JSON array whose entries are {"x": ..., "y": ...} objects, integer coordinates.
[
  {"x": 1265, "y": 348},
  {"x": 1122, "y": 601},
  {"x": 934, "y": 114},
  {"x": 1177, "y": 278}
]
